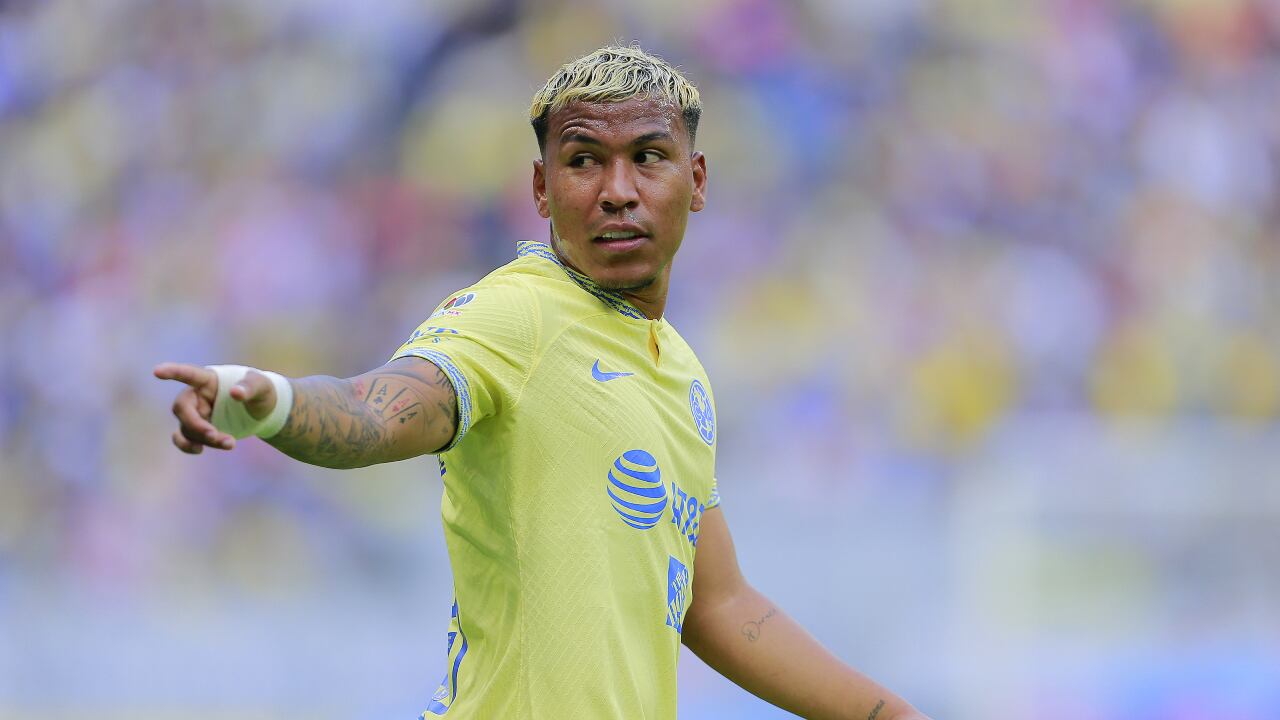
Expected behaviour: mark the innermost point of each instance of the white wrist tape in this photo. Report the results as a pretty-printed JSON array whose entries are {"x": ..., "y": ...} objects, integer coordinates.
[{"x": 230, "y": 415}]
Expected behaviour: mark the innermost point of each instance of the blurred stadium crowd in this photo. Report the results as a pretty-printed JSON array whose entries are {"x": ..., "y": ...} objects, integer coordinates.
[{"x": 958, "y": 255}]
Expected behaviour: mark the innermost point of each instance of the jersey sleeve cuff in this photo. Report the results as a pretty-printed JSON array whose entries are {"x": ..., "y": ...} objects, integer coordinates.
[{"x": 460, "y": 388}]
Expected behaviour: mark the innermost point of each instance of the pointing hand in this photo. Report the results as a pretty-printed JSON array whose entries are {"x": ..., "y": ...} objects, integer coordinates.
[{"x": 194, "y": 405}]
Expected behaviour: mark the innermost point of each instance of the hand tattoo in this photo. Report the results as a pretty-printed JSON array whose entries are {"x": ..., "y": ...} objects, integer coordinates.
[
  {"x": 876, "y": 710},
  {"x": 751, "y": 628}
]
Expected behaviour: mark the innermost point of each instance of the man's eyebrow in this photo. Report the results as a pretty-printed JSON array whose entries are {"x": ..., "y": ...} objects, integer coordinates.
[
  {"x": 650, "y": 137},
  {"x": 577, "y": 137}
]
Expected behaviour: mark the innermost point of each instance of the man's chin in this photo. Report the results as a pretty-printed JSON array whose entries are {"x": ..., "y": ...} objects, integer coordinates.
[{"x": 625, "y": 284}]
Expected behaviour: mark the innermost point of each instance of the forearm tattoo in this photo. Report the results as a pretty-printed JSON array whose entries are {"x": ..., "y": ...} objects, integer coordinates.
[
  {"x": 370, "y": 419},
  {"x": 876, "y": 710},
  {"x": 751, "y": 628}
]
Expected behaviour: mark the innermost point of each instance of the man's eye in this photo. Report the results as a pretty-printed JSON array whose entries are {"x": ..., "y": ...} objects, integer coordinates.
[
  {"x": 582, "y": 161},
  {"x": 648, "y": 156}
]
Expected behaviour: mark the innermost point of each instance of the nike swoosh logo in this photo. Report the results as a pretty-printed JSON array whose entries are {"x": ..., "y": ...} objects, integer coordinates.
[{"x": 602, "y": 376}]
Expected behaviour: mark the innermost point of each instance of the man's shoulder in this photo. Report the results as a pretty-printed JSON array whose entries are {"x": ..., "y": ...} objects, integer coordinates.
[
  {"x": 528, "y": 291},
  {"x": 543, "y": 285},
  {"x": 527, "y": 272},
  {"x": 679, "y": 343},
  {"x": 516, "y": 286}
]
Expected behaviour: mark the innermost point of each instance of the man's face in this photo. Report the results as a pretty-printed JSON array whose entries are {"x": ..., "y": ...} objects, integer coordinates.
[{"x": 618, "y": 181}]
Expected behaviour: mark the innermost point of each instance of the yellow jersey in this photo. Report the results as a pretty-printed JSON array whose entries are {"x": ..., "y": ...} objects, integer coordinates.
[{"x": 573, "y": 490}]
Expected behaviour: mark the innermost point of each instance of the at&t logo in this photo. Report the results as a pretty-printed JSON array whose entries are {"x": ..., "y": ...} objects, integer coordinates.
[
  {"x": 636, "y": 490},
  {"x": 640, "y": 497}
]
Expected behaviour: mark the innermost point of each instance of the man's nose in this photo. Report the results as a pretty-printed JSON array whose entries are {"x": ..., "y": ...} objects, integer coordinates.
[{"x": 618, "y": 187}]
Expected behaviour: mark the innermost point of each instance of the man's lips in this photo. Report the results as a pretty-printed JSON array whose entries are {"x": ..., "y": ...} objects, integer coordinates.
[{"x": 619, "y": 244}]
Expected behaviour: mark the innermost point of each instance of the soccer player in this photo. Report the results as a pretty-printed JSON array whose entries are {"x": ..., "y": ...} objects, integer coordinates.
[{"x": 576, "y": 433}]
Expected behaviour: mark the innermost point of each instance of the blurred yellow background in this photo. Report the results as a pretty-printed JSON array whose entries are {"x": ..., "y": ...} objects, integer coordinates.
[{"x": 989, "y": 291}]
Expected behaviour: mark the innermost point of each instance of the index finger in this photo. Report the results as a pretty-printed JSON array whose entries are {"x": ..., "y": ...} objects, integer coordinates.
[{"x": 193, "y": 375}]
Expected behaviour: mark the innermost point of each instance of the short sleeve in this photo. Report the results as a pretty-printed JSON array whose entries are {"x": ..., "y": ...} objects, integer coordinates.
[
  {"x": 483, "y": 339},
  {"x": 713, "y": 500}
]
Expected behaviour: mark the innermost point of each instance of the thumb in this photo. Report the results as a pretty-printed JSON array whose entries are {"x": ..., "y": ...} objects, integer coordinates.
[{"x": 256, "y": 392}]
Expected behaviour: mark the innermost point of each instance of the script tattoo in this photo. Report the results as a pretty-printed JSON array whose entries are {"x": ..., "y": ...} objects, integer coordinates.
[
  {"x": 751, "y": 628},
  {"x": 350, "y": 423},
  {"x": 876, "y": 710}
]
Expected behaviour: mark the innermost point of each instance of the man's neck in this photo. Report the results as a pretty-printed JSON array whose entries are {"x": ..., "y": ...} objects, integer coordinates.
[{"x": 650, "y": 299}]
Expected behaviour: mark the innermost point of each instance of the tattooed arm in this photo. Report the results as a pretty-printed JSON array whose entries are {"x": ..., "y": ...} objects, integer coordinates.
[
  {"x": 400, "y": 410},
  {"x": 745, "y": 637}
]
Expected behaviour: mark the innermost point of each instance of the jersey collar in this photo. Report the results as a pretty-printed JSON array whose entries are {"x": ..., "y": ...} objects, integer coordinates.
[{"x": 611, "y": 298}]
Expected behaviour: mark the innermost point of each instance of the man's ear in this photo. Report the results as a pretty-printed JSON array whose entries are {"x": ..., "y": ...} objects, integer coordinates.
[
  {"x": 699, "y": 199},
  {"x": 540, "y": 188}
]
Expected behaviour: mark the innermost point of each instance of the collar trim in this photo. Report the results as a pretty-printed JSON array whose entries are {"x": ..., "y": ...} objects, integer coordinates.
[{"x": 613, "y": 299}]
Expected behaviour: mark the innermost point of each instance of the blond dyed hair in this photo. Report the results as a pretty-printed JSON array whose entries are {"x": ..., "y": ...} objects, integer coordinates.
[{"x": 614, "y": 74}]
